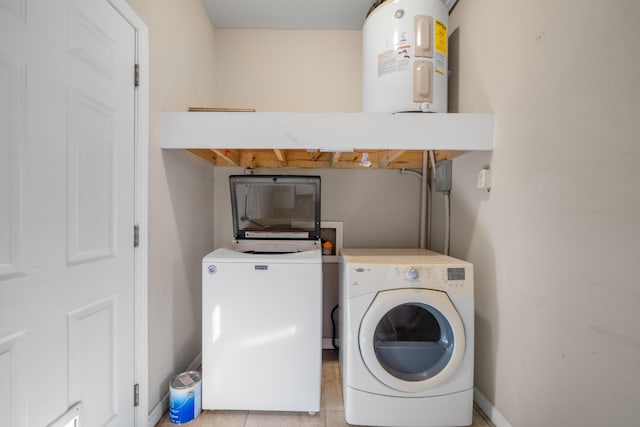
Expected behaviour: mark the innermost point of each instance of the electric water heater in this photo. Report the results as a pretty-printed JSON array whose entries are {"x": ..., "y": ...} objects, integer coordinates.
[{"x": 404, "y": 64}]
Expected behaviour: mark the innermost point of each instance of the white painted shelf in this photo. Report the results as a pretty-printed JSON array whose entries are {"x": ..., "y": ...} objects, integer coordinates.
[{"x": 327, "y": 131}]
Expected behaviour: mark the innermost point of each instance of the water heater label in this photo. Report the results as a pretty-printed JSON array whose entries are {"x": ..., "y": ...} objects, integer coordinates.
[
  {"x": 441, "y": 37},
  {"x": 392, "y": 61},
  {"x": 441, "y": 48},
  {"x": 387, "y": 63}
]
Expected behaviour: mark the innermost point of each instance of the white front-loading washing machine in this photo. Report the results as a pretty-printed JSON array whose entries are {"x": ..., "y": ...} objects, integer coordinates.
[
  {"x": 407, "y": 331},
  {"x": 262, "y": 300}
]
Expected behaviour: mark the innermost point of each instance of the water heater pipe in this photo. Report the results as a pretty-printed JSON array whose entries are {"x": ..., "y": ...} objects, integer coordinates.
[
  {"x": 425, "y": 192},
  {"x": 425, "y": 196}
]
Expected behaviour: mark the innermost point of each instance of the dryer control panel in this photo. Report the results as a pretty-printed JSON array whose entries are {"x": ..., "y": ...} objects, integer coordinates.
[
  {"x": 410, "y": 274},
  {"x": 367, "y": 278},
  {"x": 366, "y": 271},
  {"x": 435, "y": 277}
]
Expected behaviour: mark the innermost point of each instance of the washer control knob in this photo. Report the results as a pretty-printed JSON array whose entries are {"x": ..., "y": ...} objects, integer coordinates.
[{"x": 413, "y": 274}]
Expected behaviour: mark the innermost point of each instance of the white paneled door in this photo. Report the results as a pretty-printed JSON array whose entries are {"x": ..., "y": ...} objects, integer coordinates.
[{"x": 67, "y": 110}]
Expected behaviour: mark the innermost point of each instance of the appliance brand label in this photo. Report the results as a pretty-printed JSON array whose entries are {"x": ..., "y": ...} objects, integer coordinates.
[
  {"x": 212, "y": 269},
  {"x": 261, "y": 267}
]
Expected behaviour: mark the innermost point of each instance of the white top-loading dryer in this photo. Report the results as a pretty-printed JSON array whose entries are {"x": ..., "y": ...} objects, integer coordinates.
[{"x": 262, "y": 300}]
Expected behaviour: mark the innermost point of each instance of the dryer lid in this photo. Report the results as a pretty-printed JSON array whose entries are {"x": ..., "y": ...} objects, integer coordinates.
[{"x": 275, "y": 206}]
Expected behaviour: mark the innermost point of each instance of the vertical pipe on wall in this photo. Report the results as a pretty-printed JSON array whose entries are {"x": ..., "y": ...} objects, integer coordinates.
[
  {"x": 431, "y": 155},
  {"x": 423, "y": 201},
  {"x": 447, "y": 222},
  {"x": 424, "y": 192}
]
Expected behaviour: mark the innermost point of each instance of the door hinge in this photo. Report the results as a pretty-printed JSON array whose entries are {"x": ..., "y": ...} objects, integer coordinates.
[
  {"x": 136, "y": 75},
  {"x": 136, "y": 236},
  {"x": 136, "y": 395}
]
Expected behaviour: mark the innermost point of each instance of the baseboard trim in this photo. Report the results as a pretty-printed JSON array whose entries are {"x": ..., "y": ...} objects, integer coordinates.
[
  {"x": 195, "y": 363},
  {"x": 487, "y": 407},
  {"x": 156, "y": 413},
  {"x": 159, "y": 410}
]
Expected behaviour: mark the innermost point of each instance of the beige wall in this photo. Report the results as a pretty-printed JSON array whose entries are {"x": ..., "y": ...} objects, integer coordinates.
[
  {"x": 556, "y": 242},
  {"x": 288, "y": 70},
  {"x": 181, "y": 41}
]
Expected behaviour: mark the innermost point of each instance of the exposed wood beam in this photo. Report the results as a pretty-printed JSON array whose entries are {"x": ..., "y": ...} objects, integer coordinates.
[
  {"x": 230, "y": 156},
  {"x": 390, "y": 156},
  {"x": 335, "y": 158},
  {"x": 265, "y": 159},
  {"x": 247, "y": 159},
  {"x": 279, "y": 158},
  {"x": 280, "y": 155},
  {"x": 203, "y": 153}
]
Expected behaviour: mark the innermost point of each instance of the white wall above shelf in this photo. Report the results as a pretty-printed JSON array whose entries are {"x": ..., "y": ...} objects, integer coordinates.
[{"x": 326, "y": 131}]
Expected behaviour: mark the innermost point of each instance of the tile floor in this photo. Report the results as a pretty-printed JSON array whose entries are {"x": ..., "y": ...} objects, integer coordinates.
[{"x": 331, "y": 408}]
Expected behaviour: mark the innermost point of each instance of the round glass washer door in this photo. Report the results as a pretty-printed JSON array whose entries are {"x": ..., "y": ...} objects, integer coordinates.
[{"x": 412, "y": 340}]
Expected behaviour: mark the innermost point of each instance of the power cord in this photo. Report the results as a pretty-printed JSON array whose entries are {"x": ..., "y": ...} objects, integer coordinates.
[{"x": 333, "y": 328}]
